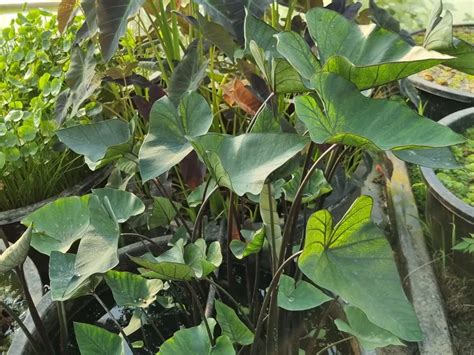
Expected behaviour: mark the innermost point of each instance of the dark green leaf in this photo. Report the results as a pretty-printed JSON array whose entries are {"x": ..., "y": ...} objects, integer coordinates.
[
  {"x": 350, "y": 119},
  {"x": 435, "y": 158},
  {"x": 316, "y": 186},
  {"x": 163, "y": 212},
  {"x": 112, "y": 17},
  {"x": 366, "y": 55}
]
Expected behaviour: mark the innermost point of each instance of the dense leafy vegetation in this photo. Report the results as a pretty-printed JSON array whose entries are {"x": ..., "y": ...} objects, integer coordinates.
[{"x": 251, "y": 118}]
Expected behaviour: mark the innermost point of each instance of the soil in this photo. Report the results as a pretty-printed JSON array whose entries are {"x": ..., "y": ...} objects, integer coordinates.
[{"x": 445, "y": 76}]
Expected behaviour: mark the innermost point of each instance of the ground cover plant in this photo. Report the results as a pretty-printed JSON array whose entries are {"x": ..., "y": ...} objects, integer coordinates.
[{"x": 249, "y": 116}]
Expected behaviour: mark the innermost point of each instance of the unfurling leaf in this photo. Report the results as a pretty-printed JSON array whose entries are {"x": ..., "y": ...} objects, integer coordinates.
[{"x": 16, "y": 253}]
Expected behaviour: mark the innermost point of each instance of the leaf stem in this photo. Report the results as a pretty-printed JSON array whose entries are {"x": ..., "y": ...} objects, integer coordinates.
[{"x": 201, "y": 311}]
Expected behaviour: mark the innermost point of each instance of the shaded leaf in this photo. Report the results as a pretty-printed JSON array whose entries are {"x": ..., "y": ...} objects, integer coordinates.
[
  {"x": 187, "y": 75},
  {"x": 299, "y": 296},
  {"x": 368, "y": 334},
  {"x": 112, "y": 19},
  {"x": 316, "y": 186},
  {"x": 93, "y": 340},
  {"x": 354, "y": 260},
  {"x": 435, "y": 158},
  {"x": 130, "y": 290},
  {"x": 163, "y": 212},
  {"x": 16, "y": 253},
  {"x": 394, "y": 127},
  {"x": 232, "y": 326}
]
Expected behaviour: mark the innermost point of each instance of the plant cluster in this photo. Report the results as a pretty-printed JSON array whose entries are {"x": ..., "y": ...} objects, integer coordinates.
[
  {"x": 33, "y": 64},
  {"x": 254, "y": 117}
]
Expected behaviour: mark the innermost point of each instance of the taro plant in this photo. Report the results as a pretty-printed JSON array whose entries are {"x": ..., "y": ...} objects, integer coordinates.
[
  {"x": 33, "y": 65},
  {"x": 284, "y": 273}
]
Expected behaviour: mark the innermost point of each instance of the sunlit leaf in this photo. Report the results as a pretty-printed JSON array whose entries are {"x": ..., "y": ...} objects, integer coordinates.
[
  {"x": 232, "y": 326},
  {"x": 93, "y": 340},
  {"x": 16, "y": 253}
]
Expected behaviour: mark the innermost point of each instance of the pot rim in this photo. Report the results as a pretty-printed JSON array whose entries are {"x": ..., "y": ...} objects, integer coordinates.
[
  {"x": 437, "y": 188},
  {"x": 440, "y": 90},
  {"x": 92, "y": 180}
]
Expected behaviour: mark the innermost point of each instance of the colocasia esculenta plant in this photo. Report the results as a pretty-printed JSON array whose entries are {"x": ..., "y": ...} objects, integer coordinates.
[{"x": 266, "y": 110}]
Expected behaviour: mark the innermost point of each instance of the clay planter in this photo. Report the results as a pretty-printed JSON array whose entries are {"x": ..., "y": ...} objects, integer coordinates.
[
  {"x": 441, "y": 100},
  {"x": 449, "y": 218}
]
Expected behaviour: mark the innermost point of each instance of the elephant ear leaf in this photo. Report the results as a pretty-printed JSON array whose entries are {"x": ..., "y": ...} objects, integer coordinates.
[
  {"x": 112, "y": 17},
  {"x": 16, "y": 253},
  {"x": 95, "y": 340},
  {"x": 382, "y": 124},
  {"x": 354, "y": 261},
  {"x": 348, "y": 49},
  {"x": 439, "y": 37}
]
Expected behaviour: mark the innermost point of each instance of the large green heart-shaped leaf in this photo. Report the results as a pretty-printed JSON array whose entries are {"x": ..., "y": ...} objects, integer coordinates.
[
  {"x": 299, "y": 296},
  {"x": 101, "y": 235},
  {"x": 166, "y": 143},
  {"x": 232, "y": 326},
  {"x": 366, "y": 55},
  {"x": 195, "y": 340},
  {"x": 93, "y": 340},
  {"x": 94, "y": 139},
  {"x": 353, "y": 119},
  {"x": 59, "y": 224},
  {"x": 132, "y": 290},
  {"x": 63, "y": 274},
  {"x": 354, "y": 260},
  {"x": 112, "y": 18},
  {"x": 368, "y": 334},
  {"x": 16, "y": 253},
  {"x": 227, "y": 157},
  {"x": 124, "y": 204}
]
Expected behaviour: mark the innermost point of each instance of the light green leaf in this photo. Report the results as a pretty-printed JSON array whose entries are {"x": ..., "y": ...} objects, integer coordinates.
[
  {"x": 232, "y": 326},
  {"x": 354, "y": 260},
  {"x": 394, "y": 127},
  {"x": 132, "y": 290},
  {"x": 252, "y": 245},
  {"x": 299, "y": 296},
  {"x": 187, "y": 75},
  {"x": 368, "y": 334},
  {"x": 297, "y": 52},
  {"x": 285, "y": 79},
  {"x": 227, "y": 157},
  {"x": 94, "y": 340},
  {"x": 316, "y": 186},
  {"x": 95, "y": 139},
  {"x": 16, "y": 253},
  {"x": 366, "y": 55},
  {"x": 59, "y": 224},
  {"x": 163, "y": 212},
  {"x": 169, "y": 129},
  {"x": 112, "y": 18},
  {"x": 62, "y": 275},
  {"x": 124, "y": 204}
]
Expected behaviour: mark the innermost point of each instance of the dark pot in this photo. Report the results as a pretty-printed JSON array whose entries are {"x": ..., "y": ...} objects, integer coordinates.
[
  {"x": 446, "y": 214},
  {"x": 48, "y": 309},
  {"x": 441, "y": 100}
]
